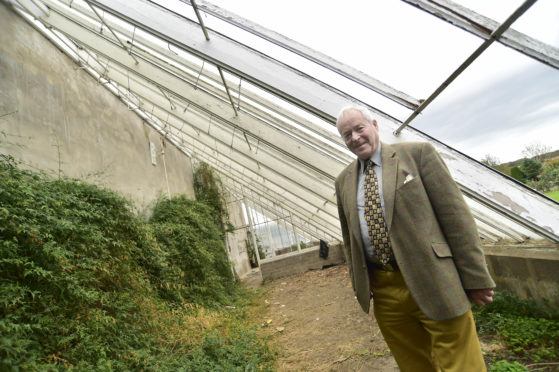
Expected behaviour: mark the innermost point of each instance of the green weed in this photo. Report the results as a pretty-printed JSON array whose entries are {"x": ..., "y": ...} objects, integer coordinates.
[
  {"x": 87, "y": 285},
  {"x": 529, "y": 332},
  {"x": 504, "y": 366}
]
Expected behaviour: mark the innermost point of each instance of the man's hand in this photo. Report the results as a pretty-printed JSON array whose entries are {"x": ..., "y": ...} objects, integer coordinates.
[{"x": 480, "y": 296}]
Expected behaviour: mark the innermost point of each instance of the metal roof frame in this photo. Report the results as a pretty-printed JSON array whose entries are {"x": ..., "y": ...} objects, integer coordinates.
[{"x": 265, "y": 148}]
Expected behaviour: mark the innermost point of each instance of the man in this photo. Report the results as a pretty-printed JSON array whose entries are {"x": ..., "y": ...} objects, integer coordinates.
[{"x": 412, "y": 246}]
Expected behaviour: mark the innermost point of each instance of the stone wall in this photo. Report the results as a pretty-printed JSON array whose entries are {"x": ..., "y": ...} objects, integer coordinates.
[
  {"x": 56, "y": 117},
  {"x": 527, "y": 271},
  {"x": 296, "y": 263}
]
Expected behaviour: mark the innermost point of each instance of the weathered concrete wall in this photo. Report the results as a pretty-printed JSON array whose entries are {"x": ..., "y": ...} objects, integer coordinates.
[
  {"x": 295, "y": 263},
  {"x": 55, "y": 116},
  {"x": 528, "y": 272}
]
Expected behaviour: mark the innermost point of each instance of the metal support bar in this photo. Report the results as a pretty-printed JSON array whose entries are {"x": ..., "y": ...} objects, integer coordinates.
[
  {"x": 481, "y": 26},
  {"x": 110, "y": 29},
  {"x": 195, "y": 7},
  {"x": 227, "y": 90},
  {"x": 494, "y": 36}
]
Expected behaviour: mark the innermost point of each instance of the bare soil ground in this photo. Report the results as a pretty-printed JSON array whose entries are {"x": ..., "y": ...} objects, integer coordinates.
[{"x": 316, "y": 324}]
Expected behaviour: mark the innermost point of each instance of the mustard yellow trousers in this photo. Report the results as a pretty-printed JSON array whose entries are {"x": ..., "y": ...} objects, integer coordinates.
[{"x": 418, "y": 343}]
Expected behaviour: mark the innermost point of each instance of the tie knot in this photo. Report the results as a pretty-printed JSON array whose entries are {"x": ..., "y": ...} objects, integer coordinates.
[{"x": 369, "y": 164}]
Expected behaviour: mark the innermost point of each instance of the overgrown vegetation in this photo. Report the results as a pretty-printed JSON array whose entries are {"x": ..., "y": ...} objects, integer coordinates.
[
  {"x": 86, "y": 285},
  {"x": 529, "y": 333}
]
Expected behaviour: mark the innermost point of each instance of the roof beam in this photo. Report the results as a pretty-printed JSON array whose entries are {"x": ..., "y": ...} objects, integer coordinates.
[
  {"x": 271, "y": 75},
  {"x": 312, "y": 55}
]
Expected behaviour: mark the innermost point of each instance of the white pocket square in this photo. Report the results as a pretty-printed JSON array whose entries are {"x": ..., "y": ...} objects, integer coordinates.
[{"x": 409, "y": 177}]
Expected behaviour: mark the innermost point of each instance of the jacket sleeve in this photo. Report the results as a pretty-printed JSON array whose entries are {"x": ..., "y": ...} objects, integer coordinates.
[
  {"x": 345, "y": 232},
  {"x": 455, "y": 219}
]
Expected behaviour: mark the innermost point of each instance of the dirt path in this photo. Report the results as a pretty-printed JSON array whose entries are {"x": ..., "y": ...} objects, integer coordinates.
[{"x": 317, "y": 325}]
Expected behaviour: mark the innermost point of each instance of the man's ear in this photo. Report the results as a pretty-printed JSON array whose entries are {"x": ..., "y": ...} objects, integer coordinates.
[{"x": 375, "y": 124}]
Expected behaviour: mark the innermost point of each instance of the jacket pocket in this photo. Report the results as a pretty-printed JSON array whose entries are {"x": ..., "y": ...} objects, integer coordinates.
[
  {"x": 409, "y": 181},
  {"x": 441, "y": 250}
]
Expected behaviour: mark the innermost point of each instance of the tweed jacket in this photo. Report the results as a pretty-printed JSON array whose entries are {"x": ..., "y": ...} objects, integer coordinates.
[{"x": 434, "y": 236}]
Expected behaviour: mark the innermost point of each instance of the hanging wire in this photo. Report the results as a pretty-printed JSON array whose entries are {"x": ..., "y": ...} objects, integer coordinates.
[
  {"x": 199, "y": 73},
  {"x": 170, "y": 50},
  {"x": 102, "y": 23},
  {"x": 168, "y": 98},
  {"x": 132, "y": 42},
  {"x": 246, "y": 139},
  {"x": 232, "y": 137},
  {"x": 239, "y": 94}
]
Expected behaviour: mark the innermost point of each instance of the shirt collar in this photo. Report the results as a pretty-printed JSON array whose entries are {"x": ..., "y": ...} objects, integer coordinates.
[{"x": 375, "y": 158}]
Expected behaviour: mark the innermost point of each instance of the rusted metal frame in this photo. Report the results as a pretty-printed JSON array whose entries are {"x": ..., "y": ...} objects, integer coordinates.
[
  {"x": 111, "y": 30},
  {"x": 481, "y": 26},
  {"x": 494, "y": 36},
  {"x": 312, "y": 55},
  {"x": 195, "y": 7}
]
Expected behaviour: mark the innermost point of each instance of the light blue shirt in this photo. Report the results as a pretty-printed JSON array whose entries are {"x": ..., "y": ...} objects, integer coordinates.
[{"x": 377, "y": 160}]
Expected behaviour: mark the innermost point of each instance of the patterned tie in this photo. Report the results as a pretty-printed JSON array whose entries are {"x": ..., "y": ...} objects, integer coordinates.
[{"x": 378, "y": 235}]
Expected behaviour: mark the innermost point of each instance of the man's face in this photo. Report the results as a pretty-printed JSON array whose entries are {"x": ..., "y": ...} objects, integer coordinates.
[{"x": 360, "y": 136}]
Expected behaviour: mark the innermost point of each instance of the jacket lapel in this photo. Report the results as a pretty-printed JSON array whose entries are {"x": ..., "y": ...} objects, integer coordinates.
[
  {"x": 389, "y": 173},
  {"x": 351, "y": 192}
]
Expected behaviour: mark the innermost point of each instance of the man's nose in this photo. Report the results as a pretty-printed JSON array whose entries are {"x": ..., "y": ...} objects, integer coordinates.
[{"x": 354, "y": 136}]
